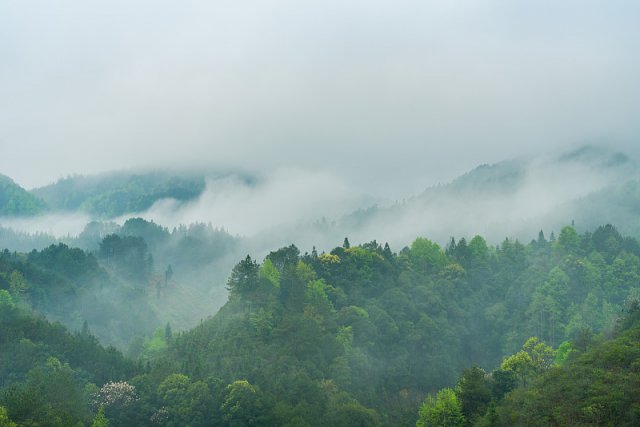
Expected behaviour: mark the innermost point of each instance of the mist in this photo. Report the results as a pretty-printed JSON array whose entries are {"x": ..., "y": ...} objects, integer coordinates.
[
  {"x": 281, "y": 199},
  {"x": 354, "y": 90},
  {"x": 57, "y": 225}
]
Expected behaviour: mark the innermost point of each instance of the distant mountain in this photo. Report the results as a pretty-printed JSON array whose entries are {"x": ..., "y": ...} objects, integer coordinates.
[
  {"x": 117, "y": 193},
  {"x": 590, "y": 185},
  {"x": 16, "y": 201}
]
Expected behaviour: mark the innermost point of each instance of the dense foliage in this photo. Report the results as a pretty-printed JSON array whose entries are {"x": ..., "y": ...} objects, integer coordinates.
[
  {"x": 386, "y": 329},
  {"x": 47, "y": 375},
  {"x": 365, "y": 336},
  {"x": 592, "y": 381}
]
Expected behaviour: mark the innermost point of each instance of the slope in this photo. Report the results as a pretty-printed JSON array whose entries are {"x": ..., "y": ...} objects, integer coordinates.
[{"x": 16, "y": 201}]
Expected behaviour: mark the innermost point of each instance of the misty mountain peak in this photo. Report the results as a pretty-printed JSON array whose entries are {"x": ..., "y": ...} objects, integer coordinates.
[{"x": 596, "y": 156}]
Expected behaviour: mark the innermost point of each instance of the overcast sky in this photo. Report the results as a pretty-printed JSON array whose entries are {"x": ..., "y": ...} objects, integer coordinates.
[{"x": 390, "y": 96}]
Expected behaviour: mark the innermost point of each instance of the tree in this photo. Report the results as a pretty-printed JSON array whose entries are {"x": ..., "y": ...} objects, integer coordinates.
[
  {"x": 100, "y": 420},
  {"x": 242, "y": 404},
  {"x": 118, "y": 401},
  {"x": 568, "y": 239},
  {"x": 186, "y": 402},
  {"x": 244, "y": 278},
  {"x": 534, "y": 359},
  {"x": 444, "y": 410},
  {"x": 4, "y": 418},
  {"x": 129, "y": 256},
  {"x": 474, "y": 393},
  {"x": 426, "y": 256}
]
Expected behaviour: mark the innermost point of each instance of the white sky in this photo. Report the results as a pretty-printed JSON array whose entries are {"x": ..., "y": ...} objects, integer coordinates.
[{"x": 390, "y": 96}]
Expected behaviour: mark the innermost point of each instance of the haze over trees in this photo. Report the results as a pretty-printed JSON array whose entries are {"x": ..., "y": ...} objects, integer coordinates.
[
  {"x": 208, "y": 328},
  {"x": 361, "y": 335}
]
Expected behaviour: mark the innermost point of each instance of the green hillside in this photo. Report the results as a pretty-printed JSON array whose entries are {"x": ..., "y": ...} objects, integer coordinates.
[
  {"x": 118, "y": 193},
  {"x": 358, "y": 336},
  {"x": 592, "y": 381},
  {"x": 16, "y": 201},
  {"x": 48, "y": 375}
]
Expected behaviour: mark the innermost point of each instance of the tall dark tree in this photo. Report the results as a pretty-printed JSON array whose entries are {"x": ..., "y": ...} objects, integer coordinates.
[{"x": 244, "y": 278}]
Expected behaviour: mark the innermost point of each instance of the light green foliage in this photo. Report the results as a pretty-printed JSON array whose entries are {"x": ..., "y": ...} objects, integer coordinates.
[
  {"x": 520, "y": 364},
  {"x": 4, "y": 418},
  {"x": 444, "y": 410},
  {"x": 453, "y": 273},
  {"x": 100, "y": 420},
  {"x": 5, "y": 299},
  {"x": 548, "y": 305},
  {"x": 316, "y": 292},
  {"x": 270, "y": 273},
  {"x": 568, "y": 240},
  {"x": 318, "y": 306},
  {"x": 305, "y": 273},
  {"x": 154, "y": 347},
  {"x": 478, "y": 248},
  {"x": 329, "y": 259},
  {"x": 112, "y": 195},
  {"x": 262, "y": 321},
  {"x": 345, "y": 337},
  {"x": 427, "y": 256},
  {"x": 16, "y": 201},
  {"x": 534, "y": 359},
  {"x": 562, "y": 353},
  {"x": 541, "y": 354}
]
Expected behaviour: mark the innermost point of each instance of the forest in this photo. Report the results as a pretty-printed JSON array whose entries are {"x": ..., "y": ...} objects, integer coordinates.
[
  {"x": 319, "y": 213},
  {"x": 542, "y": 333}
]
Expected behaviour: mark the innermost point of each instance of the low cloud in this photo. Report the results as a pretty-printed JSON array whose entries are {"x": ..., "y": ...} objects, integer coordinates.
[
  {"x": 58, "y": 225},
  {"x": 282, "y": 199}
]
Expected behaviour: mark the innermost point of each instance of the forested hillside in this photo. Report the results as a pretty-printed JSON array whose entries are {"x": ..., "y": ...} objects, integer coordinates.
[
  {"x": 127, "y": 280},
  {"x": 388, "y": 328},
  {"x": 360, "y": 335},
  {"x": 15, "y": 201},
  {"x": 591, "y": 185},
  {"x": 69, "y": 285},
  {"x": 49, "y": 376},
  {"x": 111, "y": 195},
  {"x": 593, "y": 380}
]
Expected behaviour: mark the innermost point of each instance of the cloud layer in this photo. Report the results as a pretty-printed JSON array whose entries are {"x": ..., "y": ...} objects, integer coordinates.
[{"x": 388, "y": 96}]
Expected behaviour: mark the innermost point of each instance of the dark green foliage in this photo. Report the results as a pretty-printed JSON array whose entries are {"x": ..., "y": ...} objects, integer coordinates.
[
  {"x": 26, "y": 340},
  {"x": 129, "y": 256},
  {"x": 153, "y": 234},
  {"x": 474, "y": 393},
  {"x": 46, "y": 374},
  {"x": 244, "y": 278},
  {"x": 16, "y": 201}
]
